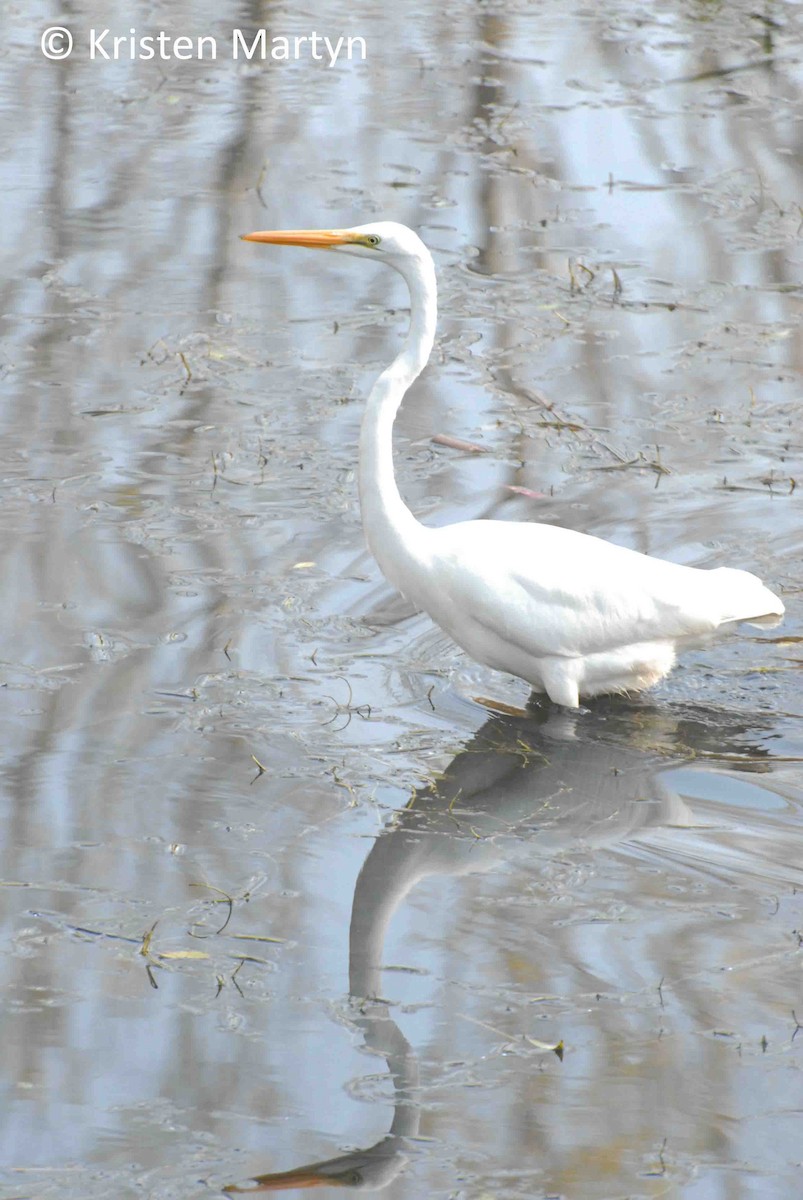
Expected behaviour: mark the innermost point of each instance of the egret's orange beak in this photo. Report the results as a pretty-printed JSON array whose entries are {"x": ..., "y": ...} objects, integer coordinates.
[{"x": 322, "y": 239}]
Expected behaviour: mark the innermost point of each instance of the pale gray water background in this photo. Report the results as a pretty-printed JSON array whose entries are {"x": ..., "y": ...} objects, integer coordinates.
[{"x": 614, "y": 197}]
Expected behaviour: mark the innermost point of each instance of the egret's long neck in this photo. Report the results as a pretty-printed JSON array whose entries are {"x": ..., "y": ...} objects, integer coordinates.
[{"x": 391, "y": 530}]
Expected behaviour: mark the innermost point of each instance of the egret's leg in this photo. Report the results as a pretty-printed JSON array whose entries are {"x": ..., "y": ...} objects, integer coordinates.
[{"x": 561, "y": 688}]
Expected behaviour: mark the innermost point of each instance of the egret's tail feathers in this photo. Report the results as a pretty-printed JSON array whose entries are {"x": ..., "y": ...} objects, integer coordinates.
[{"x": 745, "y": 598}]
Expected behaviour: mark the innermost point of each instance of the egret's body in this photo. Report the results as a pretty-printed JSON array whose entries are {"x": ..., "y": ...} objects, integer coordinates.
[{"x": 571, "y": 614}]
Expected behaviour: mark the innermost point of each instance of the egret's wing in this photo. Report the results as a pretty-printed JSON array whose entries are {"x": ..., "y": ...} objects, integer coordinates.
[
  {"x": 555, "y": 591},
  {"x": 602, "y": 615}
]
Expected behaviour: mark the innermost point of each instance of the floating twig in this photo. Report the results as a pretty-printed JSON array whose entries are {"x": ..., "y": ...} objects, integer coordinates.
[
  {"x": 348, "y": 709},
  {"x": 226, "y": 899}
]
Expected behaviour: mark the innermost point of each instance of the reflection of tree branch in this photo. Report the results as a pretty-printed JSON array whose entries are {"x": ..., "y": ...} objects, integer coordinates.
[{"x": 752, "y": 64}]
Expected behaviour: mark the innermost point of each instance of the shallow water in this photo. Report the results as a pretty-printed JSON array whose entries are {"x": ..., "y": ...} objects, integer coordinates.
[{"x": 227, "y": 743}]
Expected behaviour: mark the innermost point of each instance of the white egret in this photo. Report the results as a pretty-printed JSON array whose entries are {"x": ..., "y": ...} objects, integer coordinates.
[{"x": 571, "y": 614}]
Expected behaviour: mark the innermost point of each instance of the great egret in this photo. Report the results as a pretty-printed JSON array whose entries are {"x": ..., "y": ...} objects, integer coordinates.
[{"x": 569, "y": 613}]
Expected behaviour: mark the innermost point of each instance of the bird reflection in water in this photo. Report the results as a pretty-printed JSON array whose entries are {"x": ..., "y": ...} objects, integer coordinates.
[
  {"x": 378, "y": 1165},
  {"x": 541, "y": 782}
]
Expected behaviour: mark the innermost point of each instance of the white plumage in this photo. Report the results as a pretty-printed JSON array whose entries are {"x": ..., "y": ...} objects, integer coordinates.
[{"x": 571, "y": 614}]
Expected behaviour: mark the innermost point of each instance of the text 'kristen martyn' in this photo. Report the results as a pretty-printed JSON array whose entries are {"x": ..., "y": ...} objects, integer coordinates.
[{"x": 248, "y": 46}]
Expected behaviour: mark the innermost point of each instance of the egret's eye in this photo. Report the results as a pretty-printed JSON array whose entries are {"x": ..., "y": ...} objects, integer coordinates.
[{"x": 372, "y": 239}]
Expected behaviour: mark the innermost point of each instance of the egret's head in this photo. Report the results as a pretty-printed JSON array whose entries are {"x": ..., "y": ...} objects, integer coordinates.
[{"x": 381, "y": 241}]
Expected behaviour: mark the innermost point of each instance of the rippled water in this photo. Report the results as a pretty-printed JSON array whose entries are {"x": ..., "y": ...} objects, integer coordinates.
[{"x": 240, "y": 776}]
